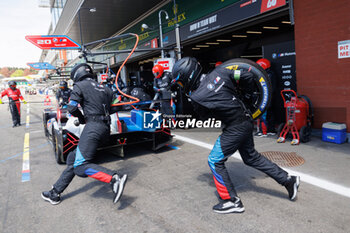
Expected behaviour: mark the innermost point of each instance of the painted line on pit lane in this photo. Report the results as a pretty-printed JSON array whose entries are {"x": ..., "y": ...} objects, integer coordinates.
[
  {"x": 36, "y": 131},
  {"x": 324, "y": 184},
  {"x": 21, "y": 153},
  {"x": 27, "y": 121},
  {"x": 25, "y": 165}
]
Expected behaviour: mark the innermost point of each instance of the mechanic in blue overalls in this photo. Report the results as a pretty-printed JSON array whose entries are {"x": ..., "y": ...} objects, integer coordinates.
[
  {"x": 161, "y": 87},
  {"x": 214, "y": 96},
  {"x": 63, "y": 94},
  {"x": 95, "y": 100}
]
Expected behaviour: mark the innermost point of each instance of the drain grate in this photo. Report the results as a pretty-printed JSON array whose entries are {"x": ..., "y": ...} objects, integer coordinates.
[{"x": 284, "y": 159}]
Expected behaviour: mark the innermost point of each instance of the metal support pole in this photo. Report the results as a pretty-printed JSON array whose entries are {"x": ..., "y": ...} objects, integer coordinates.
[
  {"x": 161, "y": 35},
  {"x": 291, "y": 12},
  {"x": 81, "y": 34},
  {"x": 160, "y": 29},
  {"x": 177, "y": 34}
]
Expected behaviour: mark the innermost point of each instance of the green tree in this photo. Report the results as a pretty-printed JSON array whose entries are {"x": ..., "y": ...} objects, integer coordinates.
[
  {"x": 5, "y": 72},
  {"x": 18, "y": 73}
]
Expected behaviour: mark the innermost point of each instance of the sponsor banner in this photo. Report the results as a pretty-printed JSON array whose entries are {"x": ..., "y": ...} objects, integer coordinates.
[
  {"x": 41, "y": 66},
  {"x": 102, "y": 78},
  {"x": 267, "y": 5},
  {"x": 167, "y": 63},
  {"x": 53, "y": 42},
  {"x": 195, "y": 18},
  {"x": 234, "y": 13},
  {"x": 154, "y": 43},
  {"x": 282, "y": 58},
  {"x": 343, "y": 49}
]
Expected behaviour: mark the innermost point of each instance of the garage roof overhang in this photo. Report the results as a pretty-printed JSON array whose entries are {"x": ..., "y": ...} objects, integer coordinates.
[{"x": 111, "y": 16}]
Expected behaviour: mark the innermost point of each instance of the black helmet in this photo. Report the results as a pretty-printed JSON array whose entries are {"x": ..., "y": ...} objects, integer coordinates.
[
  {"x": 110, "y": 78},
  {"x": 12, "y": 85},
  {"x": 186, "y": 72},
  {"x": 81, "y": 71},
  {"x": 63, "y": 85}
]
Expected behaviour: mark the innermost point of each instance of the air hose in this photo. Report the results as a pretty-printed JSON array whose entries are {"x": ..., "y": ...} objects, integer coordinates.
[{"x": 135, "y": 100}]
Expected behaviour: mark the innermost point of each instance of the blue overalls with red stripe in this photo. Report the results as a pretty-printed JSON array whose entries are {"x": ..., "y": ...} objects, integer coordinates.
[{"x": 95, "y": 100}]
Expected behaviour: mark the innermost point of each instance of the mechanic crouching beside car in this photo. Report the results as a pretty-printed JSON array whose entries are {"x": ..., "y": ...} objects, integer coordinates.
[
  {"x": 215, "y": 96},
  {"x": 95, "y": 100}
]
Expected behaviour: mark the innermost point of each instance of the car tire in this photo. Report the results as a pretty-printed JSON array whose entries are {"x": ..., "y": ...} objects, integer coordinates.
[
  {"x": 57, "y": 143},
  {"x": 259, "y": 96},
  {"x": 45, "y": 125},
  {"x": 279, "y": 129},
  {"x": 305, "y": 133}
]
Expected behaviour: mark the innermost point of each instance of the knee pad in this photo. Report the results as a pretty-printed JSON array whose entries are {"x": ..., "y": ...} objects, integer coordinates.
[{"x": 80, "y": 171}]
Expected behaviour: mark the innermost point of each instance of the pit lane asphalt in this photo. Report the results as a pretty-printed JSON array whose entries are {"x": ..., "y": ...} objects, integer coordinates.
[{"x": 168, "y": 191}]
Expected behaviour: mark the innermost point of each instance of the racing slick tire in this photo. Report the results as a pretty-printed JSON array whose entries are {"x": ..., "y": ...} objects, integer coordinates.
[
  {"x": 279, "y": 129},
  {"x": 305, "y": 133},
  {"x": 45, "y": 125},
  {"x": 47, "y": 115},
  {"x": 57, "y": 143},
  {"x": 257, "y": 97}
]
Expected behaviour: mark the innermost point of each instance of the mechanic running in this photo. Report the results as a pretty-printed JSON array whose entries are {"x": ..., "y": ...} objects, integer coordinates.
[
  {"x": 63, "y": 94},
  {"x": 95, "y": 100},
  {"x": 215, "y": 95},
  {"x": 14, "y": 95}
]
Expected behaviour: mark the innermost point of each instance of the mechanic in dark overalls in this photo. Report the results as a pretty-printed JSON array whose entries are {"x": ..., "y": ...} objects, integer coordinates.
[
  {"x": 161, "y": 86},
  {"x": 14, "y": 95},
  {"x": 214, "y": 96},
  {"x": 63, "y": 94},
  {"x": 95, "y": 100}
]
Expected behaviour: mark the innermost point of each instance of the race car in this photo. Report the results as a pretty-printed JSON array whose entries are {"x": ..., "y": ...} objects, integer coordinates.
[{"x": 127, "y": 128}]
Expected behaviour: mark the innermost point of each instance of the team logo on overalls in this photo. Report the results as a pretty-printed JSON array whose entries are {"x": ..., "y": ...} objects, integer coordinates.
[
  {"x": 217, "y": 80},
  {"x": 211, "y": 86}
]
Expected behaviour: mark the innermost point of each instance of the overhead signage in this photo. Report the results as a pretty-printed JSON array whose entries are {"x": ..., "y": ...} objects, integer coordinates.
[
  {"x": 53, "y": 42},
  {"x": 41, "y": 66},
  {"x": 267, "y": 5},
  {"x": 232, "y": 14},
  {"x": 343, "y": 49},
  {"x": 197, "y": 17},
  {"x": 282, "y": 58}
]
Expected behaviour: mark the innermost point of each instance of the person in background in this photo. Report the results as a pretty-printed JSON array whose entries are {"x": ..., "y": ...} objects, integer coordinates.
[
  {"x": 218, "y": 63},
  {"x": 14, "y": 95},
  {"x": 63, "y": 94},
  {"x": 266, "y": 124},
  {"x": 161, "y": 86}
]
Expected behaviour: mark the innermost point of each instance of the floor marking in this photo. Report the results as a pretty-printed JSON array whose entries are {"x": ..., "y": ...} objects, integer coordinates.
[
  {"x": 28, "y": 109},
  {"x": 173, "y": 147},
  {"x": 27, "y": 121},
  {"x": 324, "y": 184},
  {"x": 36, "y": 131},
  {"x": 21, "y": 153},
  {"x": 25, "y": 167}
]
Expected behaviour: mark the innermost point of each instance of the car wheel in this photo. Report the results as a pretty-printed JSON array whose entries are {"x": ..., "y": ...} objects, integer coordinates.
[
  {"x": 279, "y": 129},
  {"x": 57, "y": 143},
  {"x": 305, "y": 133},
  {"x": 45, "y": 125},
  {"x": 255, "y": 93}
]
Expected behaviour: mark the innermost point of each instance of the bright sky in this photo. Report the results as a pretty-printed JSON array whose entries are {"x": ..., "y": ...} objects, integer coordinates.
[{"x": 19, "y": 18}]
